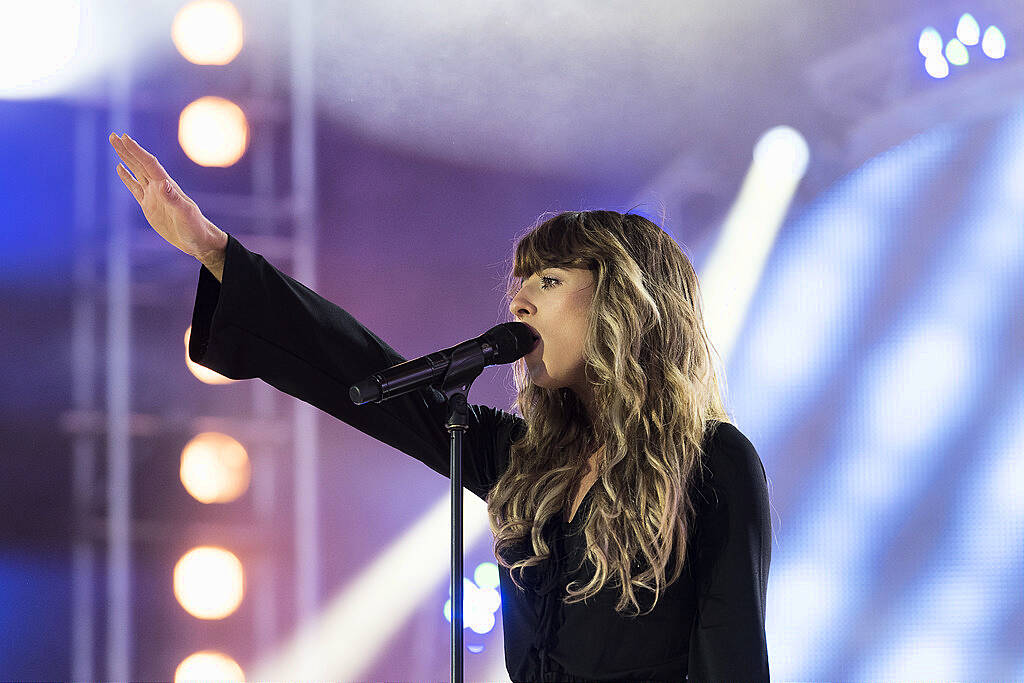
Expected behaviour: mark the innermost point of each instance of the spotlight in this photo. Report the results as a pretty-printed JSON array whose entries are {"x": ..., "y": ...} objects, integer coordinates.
[
  {"x": 930, "y": 42},
  {"x": 993, "y": 44},
  {"x": 784, "y": 150},
  {"x": 215, "y": 468},
  {"x": 956, "y": 53},
  {"x": 486, "y": 575},
  {"x": 967, "y": 30},
  {"x": 208, "y": 665},
  {"x": 38, "y": 41},
  {"x": 209, "y": 582},
  {"x": 937, "y": 59},
  {"x": 936, "y": 66},
  {"x": 480, "y": 601},
  {"x": 213, "y": 131},
  {"x": 200, "y": 372},
  {"x": 208, "y": 32}
]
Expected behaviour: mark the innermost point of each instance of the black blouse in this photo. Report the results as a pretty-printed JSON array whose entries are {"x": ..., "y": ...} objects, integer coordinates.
[{"x": 707, "y": 626}]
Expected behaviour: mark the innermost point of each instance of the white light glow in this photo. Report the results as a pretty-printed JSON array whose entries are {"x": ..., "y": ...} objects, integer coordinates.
[
  {"x": 956, "y": 53},
  {"x": 993, "y": 44},
  {"x": 480, "y": 605},
  {"x": 202, "y": 373},
  {"x": 936, "y": 66},
  {"x": 38, "y": 40},
  {"x": 213, "y": 131},
  {"x": 967, "y": 30},
  {"x": 208, "y": 32},
  {"x": 208, "y": 665},
  {"x": 486, "y": 575},
  {"x": 375, "y": 605},
  {"x": 930, "y": 42},
  {"x": 209, "y": 582},
  {"x": 481, "y": 622},
  {"x": 784, "y": 150},
  {"x": 215, "y": 468},
  {"x": 733, "y": 269},
  {"x": 932, "y": 363}
]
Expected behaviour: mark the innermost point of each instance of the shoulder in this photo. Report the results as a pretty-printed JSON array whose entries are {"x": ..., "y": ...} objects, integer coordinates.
[
  {"x": 734, "y": 505},
  {"x": 731, "y": 461}
]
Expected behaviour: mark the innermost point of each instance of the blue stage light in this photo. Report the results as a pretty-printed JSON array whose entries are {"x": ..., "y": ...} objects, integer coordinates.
[
  {"x": 993, "y": 44},
  {"x": 936, "y": 66},
  {"x": 481, "y": 599},
  {"x": 967, "y": 30},
  {"x": 956, "y": 53},
  {"x": 930, "y": 42}
]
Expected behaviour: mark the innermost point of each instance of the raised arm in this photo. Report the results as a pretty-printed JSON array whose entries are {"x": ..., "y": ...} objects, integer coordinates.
[
  {"x": 260, "y": 322},
  {"x": 251, "y": 320},
  {"x": 728, "y": 638},
  {"x": 170, "y": 212}
]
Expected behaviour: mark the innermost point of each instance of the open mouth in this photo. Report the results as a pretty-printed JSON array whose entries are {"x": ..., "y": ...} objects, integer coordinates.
[{"x": 536, "y": 340}]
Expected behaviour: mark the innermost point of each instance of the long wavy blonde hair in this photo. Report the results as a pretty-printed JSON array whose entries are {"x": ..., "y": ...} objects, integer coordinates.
[{"x": 656, "y": 397}]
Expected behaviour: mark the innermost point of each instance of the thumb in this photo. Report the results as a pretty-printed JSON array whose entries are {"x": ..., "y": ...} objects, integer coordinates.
[{"x": 168, "y": 188}]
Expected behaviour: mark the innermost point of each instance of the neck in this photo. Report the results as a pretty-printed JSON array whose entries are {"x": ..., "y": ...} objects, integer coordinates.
[{"x": 585, "y": 394}]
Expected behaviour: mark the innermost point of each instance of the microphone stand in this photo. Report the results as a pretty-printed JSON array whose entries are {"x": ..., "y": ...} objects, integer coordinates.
[{"x": 466, "y": 365}]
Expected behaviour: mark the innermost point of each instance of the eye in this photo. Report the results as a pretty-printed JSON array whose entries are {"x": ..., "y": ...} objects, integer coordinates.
[{"x": 544, "y": 285}]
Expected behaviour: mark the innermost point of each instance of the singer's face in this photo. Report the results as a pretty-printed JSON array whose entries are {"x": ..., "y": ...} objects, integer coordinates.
[{"x": 556, "y": 303}]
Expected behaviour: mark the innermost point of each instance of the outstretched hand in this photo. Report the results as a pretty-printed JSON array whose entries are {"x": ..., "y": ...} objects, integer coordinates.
[{"x": 170, "y": 212}]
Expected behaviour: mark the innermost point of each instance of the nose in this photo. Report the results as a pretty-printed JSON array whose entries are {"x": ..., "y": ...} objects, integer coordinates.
[{"x": 520, "y": 305}]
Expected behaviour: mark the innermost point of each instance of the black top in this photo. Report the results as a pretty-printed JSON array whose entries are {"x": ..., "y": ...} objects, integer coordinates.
[{"x": 708, "y": 625}]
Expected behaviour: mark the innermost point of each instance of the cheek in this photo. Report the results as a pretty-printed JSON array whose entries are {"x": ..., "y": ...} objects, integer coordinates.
[{"x": 571, "y": 332}]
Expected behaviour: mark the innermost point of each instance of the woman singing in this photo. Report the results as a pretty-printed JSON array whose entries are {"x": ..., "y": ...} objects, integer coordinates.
[{"x": 630, "y": 517}]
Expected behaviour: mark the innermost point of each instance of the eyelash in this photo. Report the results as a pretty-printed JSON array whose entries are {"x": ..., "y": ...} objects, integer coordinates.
[{"x": 547, "y": 278}]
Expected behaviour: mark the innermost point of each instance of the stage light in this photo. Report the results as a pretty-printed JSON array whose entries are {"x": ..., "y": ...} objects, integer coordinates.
[
  {"x": 208, "y": 665},
  {"x": 967, "y": 30},
  {"x": 200, "y": 372},
  {"x": 993, "y": 44},
  {"x": 930, "y": 42},
  {"x": 956, "y": 53},
  {"x": 215, "y": 468},
  {"x": 486, "y": 575},
  {"x": 784, "y": 150},
  {"x": 936, "y": 66},
  {"x": 213, "y": 131},
  {"x": 481, "y": 622},
  {"x": 37, "y": 40},
  {"x": 733, "y": 269},
  {"x": 374, "y": 606},
  {"x": 937, "y": 60},
  {"x": 208, "y": 32},
  {"x": 209, "y": 582},
  {"x": 480, "y": 605}
]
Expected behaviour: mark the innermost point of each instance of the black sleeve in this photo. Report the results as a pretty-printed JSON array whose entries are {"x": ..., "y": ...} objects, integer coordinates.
[
  {"x": 260, "y": 322},
  {"x": 727, "y": 642}
]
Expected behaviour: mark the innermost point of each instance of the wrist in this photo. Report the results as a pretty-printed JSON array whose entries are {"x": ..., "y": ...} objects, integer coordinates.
[{"x": 216, "y": 247}]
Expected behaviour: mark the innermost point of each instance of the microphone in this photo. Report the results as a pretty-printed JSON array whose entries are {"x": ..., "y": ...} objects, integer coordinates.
[{"x": 502, "y": 343}]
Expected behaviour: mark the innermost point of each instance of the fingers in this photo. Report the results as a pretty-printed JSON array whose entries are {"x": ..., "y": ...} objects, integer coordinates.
[
  {"x": 129, "y": 159},
  {"x": 144, "y": 166},
  {"x": 130, "y": 183},
  {"x": 150, "y": 165}
]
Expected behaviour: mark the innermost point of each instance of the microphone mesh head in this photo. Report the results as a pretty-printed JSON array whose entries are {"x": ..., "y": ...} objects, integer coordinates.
[{"x": 512, "y": 341}]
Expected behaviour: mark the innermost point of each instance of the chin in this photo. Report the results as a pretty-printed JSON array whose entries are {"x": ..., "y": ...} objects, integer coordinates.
[{"x": 543, "y": 380}]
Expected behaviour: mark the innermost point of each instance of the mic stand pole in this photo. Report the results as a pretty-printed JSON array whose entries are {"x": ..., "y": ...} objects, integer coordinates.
[{"x": 465, "y": 366}]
